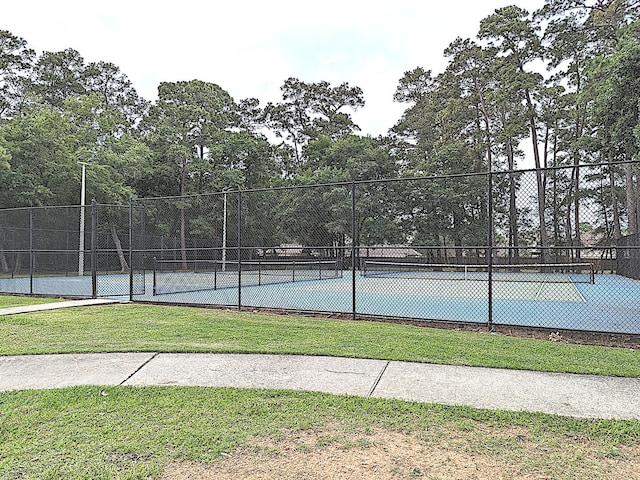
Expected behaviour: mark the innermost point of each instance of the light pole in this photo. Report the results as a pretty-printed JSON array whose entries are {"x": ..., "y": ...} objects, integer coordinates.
[{"x": 82, "y": 205}]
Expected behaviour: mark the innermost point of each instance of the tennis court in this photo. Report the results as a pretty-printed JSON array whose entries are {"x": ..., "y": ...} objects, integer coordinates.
[
  {"x": 610, "y": 304},
  {"x": 579, "y": 300}
]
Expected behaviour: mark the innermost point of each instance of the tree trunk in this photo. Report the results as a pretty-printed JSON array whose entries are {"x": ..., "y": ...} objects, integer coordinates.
[
  {"x": 544, "y": 240},
  {"x": 632, "y": 204},
  {"x": 485, "y": 117},
  {"x": 636, "y": 194},
  {"x": 124, "y": 267},
  {"x": 554, "y": 173},
  {"x": 17, "y": 265},
  {"x": 183, "y": 233},
  {"x": 513, "y": 211},
  {"x": 557, "y": 238},
  {"x": 617, "y": 231},
  {"x": 576, "y": 162},
  {"x": 568, "y": 223},
  {"x": 457, "y": 243},
  {"x": 3, "y": 261}
]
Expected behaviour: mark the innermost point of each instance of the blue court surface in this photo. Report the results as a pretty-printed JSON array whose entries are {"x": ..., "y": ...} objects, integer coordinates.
[{"x": 610, "y": 304}]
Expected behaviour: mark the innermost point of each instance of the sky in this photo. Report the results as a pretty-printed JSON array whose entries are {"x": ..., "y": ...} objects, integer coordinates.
[{"x": 250, "y": 47}]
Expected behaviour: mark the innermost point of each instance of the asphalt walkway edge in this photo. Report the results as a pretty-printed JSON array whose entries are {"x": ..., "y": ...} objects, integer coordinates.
[{"x": 581, "y": 396}]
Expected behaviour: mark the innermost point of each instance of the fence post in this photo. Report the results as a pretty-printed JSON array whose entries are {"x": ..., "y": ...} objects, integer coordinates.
[
  {"x": 131, "y": 249},
  {"x": 489, "y": 253},
  {"x": 353, "y": 250},
  {"x": 239, "y": 249},
  {"x": 94, "y": 248},
  {"x": 31, "y": 262}
]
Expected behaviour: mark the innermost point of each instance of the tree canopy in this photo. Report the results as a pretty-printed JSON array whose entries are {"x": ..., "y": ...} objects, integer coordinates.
[{"x": 558, "y": 86}]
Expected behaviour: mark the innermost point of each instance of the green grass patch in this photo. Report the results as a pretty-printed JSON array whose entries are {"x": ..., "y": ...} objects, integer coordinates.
[
  {"x": 126, "y": 432},
  {"x": 135, "y": 327}
]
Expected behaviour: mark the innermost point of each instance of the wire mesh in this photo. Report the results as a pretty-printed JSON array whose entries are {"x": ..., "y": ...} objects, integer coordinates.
[
  {"x": 557, "y": 248},
  {"x": 563, "y": 216},
  {"x": 61, "y": 246},
  {"x": 116, "y": 269},
  {"x": 436, "y": 221},
  {"x": 15, "y": 247}
]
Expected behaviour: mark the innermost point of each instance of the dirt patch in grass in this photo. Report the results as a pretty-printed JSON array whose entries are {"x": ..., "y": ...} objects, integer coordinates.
[{"x": 384, "y": 454}]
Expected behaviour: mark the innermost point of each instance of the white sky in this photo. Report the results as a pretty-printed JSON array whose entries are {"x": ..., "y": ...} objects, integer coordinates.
[{"x": 249, "y": 47}]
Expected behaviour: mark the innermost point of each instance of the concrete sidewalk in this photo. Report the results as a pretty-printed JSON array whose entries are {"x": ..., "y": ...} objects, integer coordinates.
[
  {"x": 583, "y": 396},
  {"x": 55, "y": 305}
]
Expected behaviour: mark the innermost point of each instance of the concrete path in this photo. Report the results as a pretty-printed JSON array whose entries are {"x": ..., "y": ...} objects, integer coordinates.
[
  {"x": 563, "y": 394},
  {"x": 55, "y": 305}
]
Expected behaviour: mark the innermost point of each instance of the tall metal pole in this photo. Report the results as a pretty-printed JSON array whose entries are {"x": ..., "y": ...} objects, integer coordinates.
[
  {"x": 224, "y": 233},
  {"x": 131, "y": 240},
  {"x": 239, "y": 250},
  {"x": 94, "y": 248},
  {"x": 82, "y": 205},
  {"x": 31, "y": 258},
  {"x": 353, "y": 251},
  {"x": 490, "y": 247}
]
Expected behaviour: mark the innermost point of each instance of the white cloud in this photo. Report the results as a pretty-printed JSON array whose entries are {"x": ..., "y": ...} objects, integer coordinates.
[{"x": 249, "y": 47}]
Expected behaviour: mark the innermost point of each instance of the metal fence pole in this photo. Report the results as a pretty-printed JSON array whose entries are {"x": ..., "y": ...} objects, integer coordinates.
[
  {"x": 490, "y": 248},
  {"x": 131, "y": 249},
  {"x": 31, "y": 262},
  {"x": 353, "y": 249},
  {"x": 239, "y": 250},
  {"x": 142, "y": 246},
  {"x": 94, "y": 248}
]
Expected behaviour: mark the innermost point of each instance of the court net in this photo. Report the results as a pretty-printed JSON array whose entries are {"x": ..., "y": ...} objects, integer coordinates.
[
  {"x": 540, "y": 273},
  {"x": 178, "y": 276}
]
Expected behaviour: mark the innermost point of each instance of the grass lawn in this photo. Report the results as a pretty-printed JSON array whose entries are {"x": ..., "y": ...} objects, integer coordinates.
[
  {"x": 124, "y": 432},
  {"x": 129, "y": 328},
  {"x": 177, "y": 433}
]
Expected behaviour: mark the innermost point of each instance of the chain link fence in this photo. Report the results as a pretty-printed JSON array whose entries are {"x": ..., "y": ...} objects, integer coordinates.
[
  {"x": 556, "y": 248},
  {"x": 70, "y": 251}
]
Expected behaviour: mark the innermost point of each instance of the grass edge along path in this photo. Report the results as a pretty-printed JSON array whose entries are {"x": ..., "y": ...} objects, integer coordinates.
[
  {"x": 8, "y": 301},
  {"x": 151, "y": 328}
]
